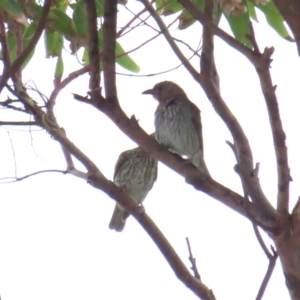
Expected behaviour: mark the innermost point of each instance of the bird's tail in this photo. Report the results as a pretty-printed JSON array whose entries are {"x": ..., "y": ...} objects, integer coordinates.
[
  {"x": 118, "y": 218},
  {"x": 199, "y": 163}
]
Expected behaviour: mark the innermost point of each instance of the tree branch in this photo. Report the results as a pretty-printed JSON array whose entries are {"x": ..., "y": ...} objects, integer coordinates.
[
  {"x": 16, "y": 179},
  {"x": 290, "y": 10},
  {"x": 164, "y": 30},
  {"x": 109, "y": 50},
  {"x": 19, "y": 123},
  {"x": 209, "y": 293},
  {"x": 272, "y": 262},
  {"x": 192, "y": 176},
  {"x": 193, "y": 260},
  {"x": 272, "y": 258},
  {"x": 59, "y": 87},
  {"x": 93, "y": 48},
  {"x": 209, "y": 81}
]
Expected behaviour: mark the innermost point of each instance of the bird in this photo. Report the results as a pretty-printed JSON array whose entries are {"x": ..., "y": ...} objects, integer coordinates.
[
  {"x": 178, "y": 123},
  {"x": 135, "y": 173}
]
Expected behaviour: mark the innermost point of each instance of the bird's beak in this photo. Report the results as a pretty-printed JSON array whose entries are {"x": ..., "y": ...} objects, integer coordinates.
[{"x": 148, "y": 92}]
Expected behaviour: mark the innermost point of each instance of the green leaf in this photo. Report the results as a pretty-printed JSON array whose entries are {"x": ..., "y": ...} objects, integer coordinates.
[
  {"x": 61, "y": 4},
  {"x": 59, "y": 69},
  {"x": 62, "y": 23},
  {"x": 100, "y": 7},
  {"x": 11, "y": 7},
  {"x": 159, "y": 6},
  {"x": 186, "y": 19},
  {"x": 27, "y": 36},
  {"x": 80, "y": 19},
  {"x": 53, "y": 44},
  {"x": 14, "y": 9},
  {"x": 251, "y": 11},
  {"x": 239, "y": 25},
  {"x": 275, "y": 19},
  {"x": 125, "y": 61},
  {"x": 170, "y": 7},
  {"x": 34, "y": 11},
  {"x": 86, "y": 57},
  {"x": 11, "y": 45}
]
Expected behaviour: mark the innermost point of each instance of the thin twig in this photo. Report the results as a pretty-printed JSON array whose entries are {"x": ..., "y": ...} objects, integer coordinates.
[
  {"x": 271, "y": 257},
  {"x": 169, "y": 38},
  {"x": 193, "y": 260},
  {"x": 16, "y": 179},
  {"x": 205, "y": 21},
  {"x": 13, "y": 152},
  {"x": 19, "y": 123},
  {"x": 59, "y": 87},
  {"x": 261, "y": 242},
  {"x": 271, "y": 266}
]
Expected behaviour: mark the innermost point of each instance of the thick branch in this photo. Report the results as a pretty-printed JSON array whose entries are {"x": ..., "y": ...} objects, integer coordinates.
[
  {"x": 207, "y": 185},
  {"x": 262, "y": 66},
  {"x": 93, "y": 48},
  {"x": 109, "y": 50},
  {"x": 209, "y": 81},
  {"x": 290, "y": 10}
]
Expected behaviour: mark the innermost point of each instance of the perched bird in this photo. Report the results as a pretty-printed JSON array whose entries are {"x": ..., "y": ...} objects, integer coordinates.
[
  {"x": 178, "y": 123},
  {"x": 135, "y": 173}
]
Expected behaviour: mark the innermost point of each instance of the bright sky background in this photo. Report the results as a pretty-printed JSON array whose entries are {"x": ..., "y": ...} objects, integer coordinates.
[{"x": 55, "y": 241}]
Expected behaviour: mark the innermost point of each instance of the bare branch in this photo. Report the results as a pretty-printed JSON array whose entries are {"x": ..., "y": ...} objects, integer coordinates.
[
  {"x": 279, "y": 137},
  {"x": 188, "y": 171},
  {"x": 13, "y": 151},
  {"x": 193, "y": 260},
  {"x": 16, "y": 179},
  {"x": 59, "y": 87},
  {"x": 271, "y": 258},
  {"x": 271, "y": 266},
  {"x": 208, "y": 292},
  {"x": 93, "y": 48},
  {"x": 262, "y": 64},
  {"x": 109, "y": 46},
  {"x": 170, "y": 40},
  {"x": 262, "y": 243},
  {"x": 19, "y": 123}
]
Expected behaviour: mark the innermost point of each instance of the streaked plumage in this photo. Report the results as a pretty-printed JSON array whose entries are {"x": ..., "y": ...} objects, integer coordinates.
[
  {"x": 135, "y": 173},
  {"x": 178, "y": 123}
]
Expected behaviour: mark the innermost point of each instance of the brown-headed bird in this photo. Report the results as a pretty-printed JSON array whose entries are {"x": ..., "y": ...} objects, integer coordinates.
[
  {"x": 135, "y": 173},
  {"x": 178, "y": 123}
]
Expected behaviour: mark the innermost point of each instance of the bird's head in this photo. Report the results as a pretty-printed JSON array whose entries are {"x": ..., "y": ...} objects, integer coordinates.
[{"x": 165, "y": 91}]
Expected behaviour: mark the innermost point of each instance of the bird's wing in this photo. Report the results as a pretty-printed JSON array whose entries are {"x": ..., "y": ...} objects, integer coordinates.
[
  {"x": 196, "y": 120},
  {"x": 123, "y": 157}
]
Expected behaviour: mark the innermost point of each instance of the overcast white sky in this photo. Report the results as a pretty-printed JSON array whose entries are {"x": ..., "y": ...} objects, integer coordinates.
[{"x": 55, "y": 241}]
